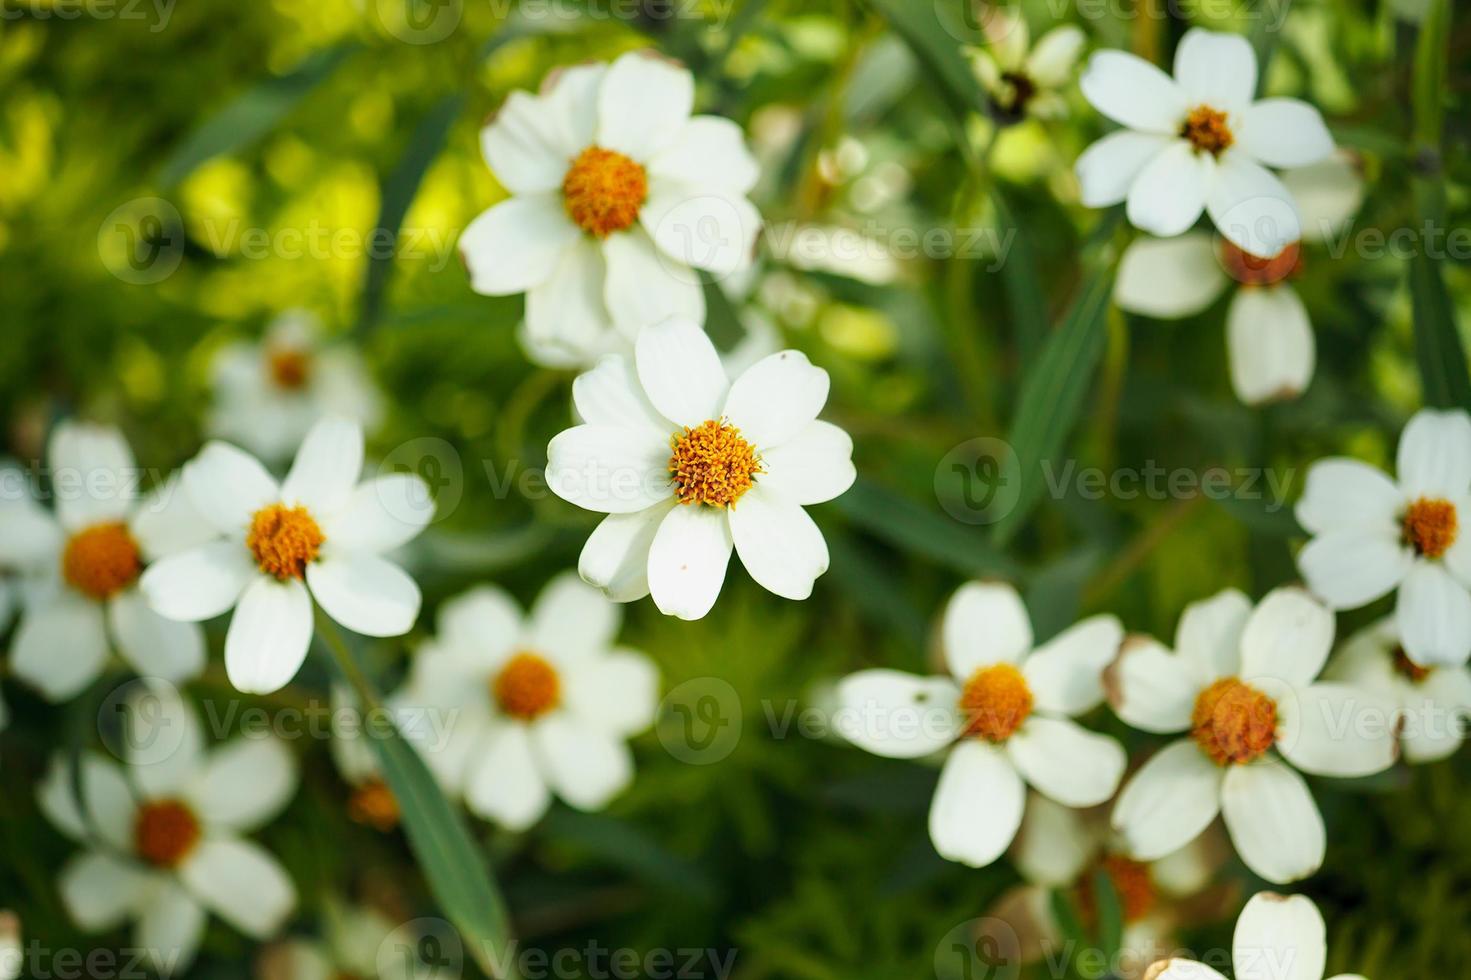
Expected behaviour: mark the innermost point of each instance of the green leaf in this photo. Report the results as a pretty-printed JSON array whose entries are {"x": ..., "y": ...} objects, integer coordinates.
[
  {"x": 1270, "y": 517},
  {"x": 627, "y": 846},
  {"x": 1024, "y": 296},
  {"x": 722, "y": 322},
  {"x": 252, "y": 114},
  {"x": 1110, "y": 915},
  {"x": 938, "y": 49},
  {"x": 908, "y": 525}
]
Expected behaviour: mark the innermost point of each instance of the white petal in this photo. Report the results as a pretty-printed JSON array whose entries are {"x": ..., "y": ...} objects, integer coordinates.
[
  {"x": 778, "y": 542},
  {"x": 241, "y": 883},
  {"x": 643, "y": 104},
  {"x": 1169, "y": 194},
  {"x": 268, "y": 635},
  {"x": 702, "y": 229},
  {"x": 977, "y": 806},
  {"x": 776, "y": 398},
  {"x": 170, "y": 928},
  {"x": 584, "y": 764},
  {"x": 609, "y": 469},
  {"x": 1209, "y": 633},
  {"x": 1054, "y": 845},
  {"x": 681, "y": 372},
  {"x": 1434, "y": 616},
  {"x": 1347, "y": 493},
  {"x": 517, "y": 244},
  {"x": 1065, "y": 761},
  {"x": 567, "y": 323},
  {"x": 93, "y": 475},
  {"x": 245, "y": 783},
  {"x": 985, "y": 623},
  {"x": 687, "y": 560},
  {"x": 618, "y": 691},
  {"x": 1169, "y": 801},
  {"x": 1285, "y": 133},
  {"x": 485, "y": 620},
  {"x": 155, "y": 646},
  {"x": 201, "y": 583},
  {"x": 1169, "y": 277},
  {"x": 1054, "y": 55},
  {"x": 708, "y": 152},
  {"x": 569, "y": 98},
  {"x": 1457, "y": 557},
  {"x": 572, "y": 621},
  {"x": 1279, "y": 937},
  {"x": 1437, "y": 710},
  {"x": 645, "y": 286},
  {"x": 1270, "y": 341},
  {"x": 898, "y": 715},
  {"x": 1273, "y": 820},
  {"x": 165, "y": 741},
  {"x": 1133, "y": 92},
  {"x": 167, "y": 522},
  {"x": 1288, "y": 636},
  {"x": 1352, "y": 568},
  {"x": 1251, "y": 207},
  {"x": 610, "y": 395},
  {"x": 1332, "y": 729},
  {"x": 1106, "y": 169},
  {"x": 811, "y": 467},
  {"x": 1178, "y": 968},
  {"x": 326, "y": 468},
  {"x": 616, "y": 555},
  {"x": 1216, "y": 69},
  {"x": 504, "y": 784},
  {"x": 367, "y": 594},
  {"x": 381, "y": 514},
  {"x": 100, "y": 891},
  {"x": 523, "y": 146},
  {"x": 32, "y": 537},
  {"x": 59, "y": 647},
  {"x": 1434, "y": 458},
  {"x": 106, "y": 810},
  {"x": 1152, "y": 689},
  {"x": 1328, "y": 195},
  {"x": 228, "y": 485},
  {"x": 1066, "y": 673}
]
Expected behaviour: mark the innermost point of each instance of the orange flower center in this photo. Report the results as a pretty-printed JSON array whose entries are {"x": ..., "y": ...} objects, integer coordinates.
[
  {"x": 283, "y": 540},
  {"x": 1253, "y": 270},
  {"x": 527, "y": 687},
  {"x": 374, "y": 805},
  {"x": 995, "y": 702},
  {"x": 1407, "y": 668},
  {"x": 102, "y": 560},
  {"x": 290, "y": 368},
  {"x": 1207, "y": 130},
  {"x": 1233, "y": 722},
  {"x": 1131, "y": 882},
  {"x": 1431, "y": 526},
  {"x": 164, "y": 832},
  {"x": 712, "y": 464},
  {"x": 603, "y": 191}
]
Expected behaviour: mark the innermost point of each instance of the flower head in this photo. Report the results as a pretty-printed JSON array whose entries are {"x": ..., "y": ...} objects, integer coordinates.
[
  {"x": 1276, "y": 936},
  {"x": 1023, "y": 79}
]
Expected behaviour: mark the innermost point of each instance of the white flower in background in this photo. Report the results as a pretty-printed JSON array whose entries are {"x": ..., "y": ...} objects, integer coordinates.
[
  {"x": 267, "y": 395},
  {"x": 1022, "y": 79},
  {"x": 12, "y": 954},
  {"x": 372, "y": 803},
  {"x": 1373, "y": 535},
  {"x": 1269, "y": 338},
  {"x": 1242, "y": 683},
  {"x": 534, "y": 705},
  {"x": 319, "y": 529},
  {"x": 169, "y": 844},
  {"x": 83, "y": 565},
  {"x": 357, "y": 942},
  {"x": 1198, "y": 142},
  {"x": 1278, "y": 937},
  {"x": 688, "y": 464},
  {"x": 617, "y": 191},
  {"x": 1004, "y": 717},
  {"x": 1434, "y": 702}
]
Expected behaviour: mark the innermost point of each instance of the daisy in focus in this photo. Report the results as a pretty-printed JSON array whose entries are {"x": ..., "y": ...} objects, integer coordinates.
[
  {"x": 267, "y": 395},
  {"x": 1269, "y": 339},
  {"x": 535, "y": 704},
  {"x": 1242, "y": 683},
  {"x": 1373, "y": 535},
  {"x": 81, "y": 567},
  {"x": 170, "y": 845},
  {"x": 318, "y": 535},
  {"x": 690, "y": 465},
  {"x": 1003, "y": 719},
  {"x": 1278, "y": 937},
  {"x": 1023, "y": 79},
  {"x": 1434, "y": 702},
  {"x": 1200, "y": 141},
  {"x": 618, "y": 194}
]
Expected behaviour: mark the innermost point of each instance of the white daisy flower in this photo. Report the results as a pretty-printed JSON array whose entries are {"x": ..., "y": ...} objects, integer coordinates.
[
  {"x": 1434, "y": 702},
  {"x": 84, "y": 563},
  {"x": 1373, "y": 535},
  {"x": 688, "y": 464},
  {"x": 319, "y": 529},
  {"x": 536, "y": 704},
  {"x": 355, "y": 943},
  {"x": 1269, "y": 338},
  {"x": 1278, "y": 937},
  {"x": 1004, "y": 717},
  {"x": 267, "y": 395},
  {"x": 617, "y": 191},
  {"x": 165, "y": 833},
  {"x": 1242, "y": 683},
  {"x": 1197, "y": 142},
  {"x": 1023, "y": 79}
]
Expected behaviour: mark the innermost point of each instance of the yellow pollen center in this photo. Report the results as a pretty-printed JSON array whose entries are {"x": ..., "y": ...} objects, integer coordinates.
[
  {"x": 1131, "y": 882},
  {"x": 290, "y": 368},
  {"x": 102, "y": 560},
  {"x": 995, "y": 702},
  {"x": 374, "y": 805},
  {"x": 1233, "y": 722},
  {"x": 603, "y": 191},
  {"x": 712, "y": 464},
  {"x": 1431, "y": 526},
  {"x": 164, "y": 832},
  {"x": 284, "y": 540},
  {"x": 1207, "y": 130},
  {"x": 527, "y": 687},
  {"x": 1253, "y": 270}
]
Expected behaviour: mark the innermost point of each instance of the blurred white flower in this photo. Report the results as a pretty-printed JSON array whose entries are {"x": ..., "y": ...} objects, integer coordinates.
[
  {"x": 617, "y": 191},
  {"x": 689, "y": 465},
  {"x": 83, "y": 565},
  {"x": 1200, "y": 141},
  {"x": 267, "y": 395},
  {"x": 1277, "y": 937},
  {"x": 320, "y": 528},
  {"x": 165, "y": 840},
  {"x": 1022, "y": 79},
  {"x": 12, "y": 954},
  {"x": 1269, "y": 338},
  {"x": 372, "y": 802},
  {"x": 1373, "y": 535},
  {"x": 352, "y": 946},
  {"x": 1243, "y": 684},
  {"x": 535, "y": 704},
  {"x": 1004, "y": 717}
]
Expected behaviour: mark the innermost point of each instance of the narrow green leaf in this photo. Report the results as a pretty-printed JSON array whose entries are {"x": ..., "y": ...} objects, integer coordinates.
[
  {"x": 1069, "y": 924},
  {"x": 938, "y": 48},
  {"x": 1110, "y": 915},
  {"x": 722, "y": 322},
  {"x": 1024, "y": 296},
  {"x": 1270, "y": 517},
  {"x": 909, "y": 525},
  {"x": 626, "y": 846},
  {"x": 878, "y": 595}
]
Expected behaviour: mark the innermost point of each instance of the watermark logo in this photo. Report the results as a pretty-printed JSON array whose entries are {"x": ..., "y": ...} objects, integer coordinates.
[
  {"x": 142, "y": 240},
  {"x": 418, "y": 21},
  {"x": 979, "y": 481},
  {"x": 699, "y": 721},
  {"x": 979, "y": 949}
]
